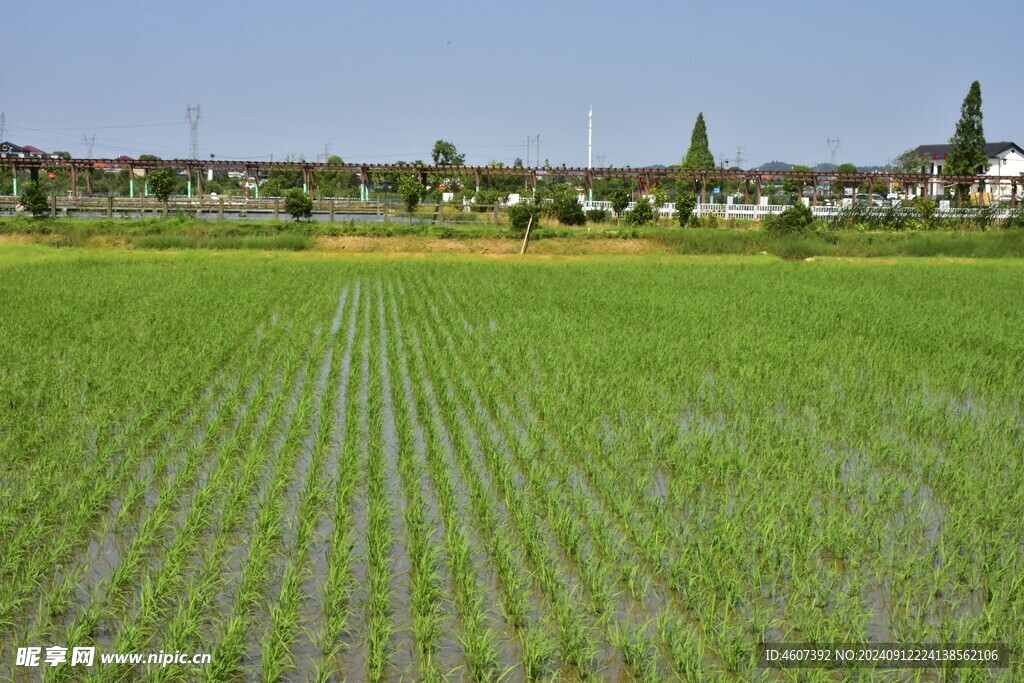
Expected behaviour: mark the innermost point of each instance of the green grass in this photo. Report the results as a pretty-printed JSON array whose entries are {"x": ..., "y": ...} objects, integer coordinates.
[{"x": 615, "y": 467}]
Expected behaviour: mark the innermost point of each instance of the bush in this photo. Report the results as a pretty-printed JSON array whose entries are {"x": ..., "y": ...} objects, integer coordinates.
[
  {"x": 926, "y": 208},
  {"x": 597, "y": 215},
  {"x": 33, "y": 198},
  {"x": 484, "y": 200},
  {"x": 641, "y": 214},
  {"x": 795, "y": 219},
  {"x": 569, "y": 212},
  {"x": 686, "y": 202},
  {"x": 298, "y": 204},
  {"x": 521, "y": 213}
]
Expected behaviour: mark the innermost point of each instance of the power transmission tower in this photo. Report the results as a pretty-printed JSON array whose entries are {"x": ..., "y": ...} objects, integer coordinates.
[
  {"x": 89, "y": 141},
  {"x": 192, "y": 116},
  {"x": 529, "y": 141},
  {"x": 833, "y": 147},
  {"x": 738, "y": 162},
  {"x": 327, "y": 151}
]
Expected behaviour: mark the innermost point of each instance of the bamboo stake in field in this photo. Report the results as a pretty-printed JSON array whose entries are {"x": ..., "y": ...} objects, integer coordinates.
[{"x": 526, "y": 237}]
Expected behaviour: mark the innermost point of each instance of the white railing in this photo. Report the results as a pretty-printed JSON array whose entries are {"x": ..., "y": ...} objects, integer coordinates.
[{"x": 758, "y": 211}]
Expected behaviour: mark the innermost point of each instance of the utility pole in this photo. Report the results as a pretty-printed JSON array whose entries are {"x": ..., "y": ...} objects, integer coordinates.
[
  {"x": 89, "y": 142},
  {"x": 192, "y": 115},
  {"x": 833, "y": 147},
  {"x": 590, "y": 148}
]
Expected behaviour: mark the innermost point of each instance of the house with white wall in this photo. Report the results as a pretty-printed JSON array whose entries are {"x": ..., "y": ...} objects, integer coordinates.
[{"x": 1004, "y": 159}]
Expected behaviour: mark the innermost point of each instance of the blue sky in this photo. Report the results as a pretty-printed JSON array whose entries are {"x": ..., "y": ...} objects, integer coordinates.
[{"x": 381, "y": 81}]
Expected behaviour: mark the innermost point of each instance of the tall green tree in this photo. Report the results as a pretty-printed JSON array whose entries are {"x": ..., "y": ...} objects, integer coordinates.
[
  {"x": 968, "y": 154},
  {"x": 445, "y": 154},
  {"x": 161, "y": 184},
  {"x": 699, "y": 156}
]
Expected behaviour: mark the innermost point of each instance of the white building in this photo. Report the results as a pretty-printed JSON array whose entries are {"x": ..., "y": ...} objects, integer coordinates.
[{"x": 1004, "y": 159}]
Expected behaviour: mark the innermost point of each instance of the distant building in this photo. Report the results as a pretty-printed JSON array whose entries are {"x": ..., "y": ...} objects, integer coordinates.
[
  {"x": 9, "y": 150},
  {"x": 1004, "y": 159}
]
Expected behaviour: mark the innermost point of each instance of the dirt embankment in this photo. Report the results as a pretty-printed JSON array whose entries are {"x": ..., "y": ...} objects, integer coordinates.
[{"x": 488, "y": 245}]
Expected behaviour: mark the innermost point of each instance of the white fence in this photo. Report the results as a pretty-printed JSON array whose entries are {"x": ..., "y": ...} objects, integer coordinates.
[{"x": 759, "y": 211}]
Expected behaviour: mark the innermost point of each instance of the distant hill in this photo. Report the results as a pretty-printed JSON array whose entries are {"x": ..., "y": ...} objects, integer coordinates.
[
  {"x": 774, "y": 166},
  {"x": 820, "y": 168}
]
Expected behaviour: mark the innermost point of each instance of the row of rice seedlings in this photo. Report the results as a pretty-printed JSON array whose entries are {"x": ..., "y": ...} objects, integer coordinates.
[
  {"x": 63, "y": 464},
  {"x": 196, "y": 611},
  {"x": 315, "y": 496},
  {"x": 264, "y": 539},
  {"x": 427, "y": 601},
  {"x": 67, "y": 511},
  {"x": 594, "y": 569},
  {"x": 651, "y": 547},
  {"x": 112, "y": 589},
  {"x": 477, "y": 637},
  {"x": 170, "y": 606},
  {"x": 340, "y": 584},
  {"x": 468, "y": 442},
  {"x": 379, "y": 535},
  {"x": 58, "y": 599},
  {"x": 574, "y": 634},
  {"x": 230, "y": 636}
]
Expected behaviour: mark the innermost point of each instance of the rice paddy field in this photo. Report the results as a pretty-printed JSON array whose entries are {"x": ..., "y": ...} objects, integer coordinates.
[{"x": 367, "y": 468}]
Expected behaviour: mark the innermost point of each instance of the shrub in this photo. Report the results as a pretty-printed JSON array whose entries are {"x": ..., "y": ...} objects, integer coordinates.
[
  {"x": 641, "y": 214},
  {"x": 521, "y": 213},
  {"x": 569, "y": 212},
  {"x": 597, "y": 215},
  {"x": 686, "y": 202},
  {"x": 298, "y": 204},
  {"x": 926, "y": 208},
  {"x": 484, "y": 200},
  {"x": 795, "y": 219},
  {"x": 33, "y": 198}
]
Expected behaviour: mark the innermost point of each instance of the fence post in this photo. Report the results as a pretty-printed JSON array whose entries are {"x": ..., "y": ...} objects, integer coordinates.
[
  {"x": 110, "y": 206},
  {"x": 53, "y": 202},
  {"x": 220, "y": 208},
  {"x": 330, "y": 204},
  {"x": 495, "y": 213},
  {"x": 277, "y": 210}
]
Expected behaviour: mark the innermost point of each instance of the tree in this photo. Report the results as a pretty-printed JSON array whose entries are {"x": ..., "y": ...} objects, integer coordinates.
[
  {"x": 686, "y": 202},
  {"x": 620, "y": 200},
  {"x": 699, "y": 157},
  {"x": 411, "y": 192},
  {"x": 846, "y": 169},
  {"x": 909, "y": 162},
  {"x": 797, "y": 186},
  {"x": 445, "y": 154},
  {"x": 161, "y": 184},
  {"x": 33, "y": 198},
  {"x": 298, "y": 204},
  {"x": 62, "y": 154},
  {"x": 148, "y": 157},
  {"x": 967, "y": 156}
]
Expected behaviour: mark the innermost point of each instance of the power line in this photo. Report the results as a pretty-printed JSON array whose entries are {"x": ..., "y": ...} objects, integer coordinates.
[{"x": 192, "y": 115}]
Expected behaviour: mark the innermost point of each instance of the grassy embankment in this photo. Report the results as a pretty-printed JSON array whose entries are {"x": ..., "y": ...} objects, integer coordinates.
[{"x": 400, "y": 236}]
